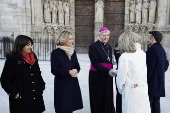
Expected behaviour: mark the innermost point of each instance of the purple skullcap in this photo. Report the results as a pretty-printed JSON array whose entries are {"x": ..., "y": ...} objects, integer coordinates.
[{"x": 103, "y": 29}]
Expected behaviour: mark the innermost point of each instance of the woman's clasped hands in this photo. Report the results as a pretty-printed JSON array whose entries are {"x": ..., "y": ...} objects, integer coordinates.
[{"x": 73, "y": 72}]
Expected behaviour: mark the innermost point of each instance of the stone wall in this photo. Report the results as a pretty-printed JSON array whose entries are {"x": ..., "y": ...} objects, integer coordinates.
[
  {"x": 15, "y": 17},
  {"x": 27, "y": 17},
  {"x": 160, "y": 22}
]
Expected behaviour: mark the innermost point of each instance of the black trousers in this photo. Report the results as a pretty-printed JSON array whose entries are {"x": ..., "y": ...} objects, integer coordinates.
[
  {"x": 118, "y": 100},
  {"x": 155, "y": 104}
]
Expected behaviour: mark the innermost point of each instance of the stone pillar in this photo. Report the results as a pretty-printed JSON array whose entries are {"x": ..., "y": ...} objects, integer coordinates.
[
  {"x": 37, "y": 17},
  {"x": 98, "y": 25},
  {"x": 72, "y": 17},
  {"x": 162, "y": 7},
  {"x": 168, "y": 13},
  {"x": 32, "y": 12},
  {"x": 127, "y": 6},
  {"x": 99, "y": 14}
]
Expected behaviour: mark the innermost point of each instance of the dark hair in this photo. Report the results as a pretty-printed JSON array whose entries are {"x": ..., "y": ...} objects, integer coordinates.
[
  {"x": 157, "y": 35},
  {"x": 20, "y": 42}
]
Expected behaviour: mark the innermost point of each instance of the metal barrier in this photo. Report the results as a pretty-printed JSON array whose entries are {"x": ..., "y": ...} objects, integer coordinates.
[
  {"x": 6, "y": 44},
  {"x": 42, "y": 47}
]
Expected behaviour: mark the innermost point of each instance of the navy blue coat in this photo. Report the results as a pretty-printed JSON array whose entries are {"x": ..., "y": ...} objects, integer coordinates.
[
  {"x": 67, "y": 94},
  {"x": 156, "y": 60}
]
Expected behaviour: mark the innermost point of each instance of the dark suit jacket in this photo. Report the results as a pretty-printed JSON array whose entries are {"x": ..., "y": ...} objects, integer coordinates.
[{"x": 156, "y": 60}]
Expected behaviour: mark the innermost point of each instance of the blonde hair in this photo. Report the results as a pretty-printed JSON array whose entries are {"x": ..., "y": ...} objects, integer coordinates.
[
  {"x": 126, "y": 42},
  {"x": 63, "y": 38}
]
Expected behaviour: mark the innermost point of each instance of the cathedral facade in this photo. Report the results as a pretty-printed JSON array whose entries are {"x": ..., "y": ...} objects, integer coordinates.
[{"x": 48, "y": 18}]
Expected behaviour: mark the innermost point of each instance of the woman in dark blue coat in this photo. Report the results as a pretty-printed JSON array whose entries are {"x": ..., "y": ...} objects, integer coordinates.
[
  {"x": 21, "y": 78},
  {"x": 65, "y": 67}
]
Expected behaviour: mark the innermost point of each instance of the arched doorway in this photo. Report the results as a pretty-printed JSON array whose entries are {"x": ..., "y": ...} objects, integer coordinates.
[{"x": 84, "y": 21}]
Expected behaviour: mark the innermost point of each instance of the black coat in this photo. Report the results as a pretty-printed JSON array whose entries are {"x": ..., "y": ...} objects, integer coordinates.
[
  {"x": 156, "y": 61},
  {"x": 67, "y": 94},
  {"x": 20, "y": 77},
  {"x": 117, "y": 55},
  {"x": 100, "y": 82}
]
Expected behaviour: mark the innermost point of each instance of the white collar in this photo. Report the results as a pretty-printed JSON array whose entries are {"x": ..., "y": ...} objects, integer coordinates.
[{"x": 138, "y": 46}]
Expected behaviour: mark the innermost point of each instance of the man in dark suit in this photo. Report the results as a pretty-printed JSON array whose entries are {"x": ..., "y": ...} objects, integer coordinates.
[{"x": 156, "y": 60}]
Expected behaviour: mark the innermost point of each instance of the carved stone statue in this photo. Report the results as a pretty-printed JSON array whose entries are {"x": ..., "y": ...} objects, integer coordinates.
[
  {"x": 54, "y": 12},
  {"x": 132, "y": 12},
  {"x": 127, "y": 6},
  {"x": 138, "y": 11},
  {"x": 99, "y": 11},
  {"x": 66, "y": 12},
  {"x": 152, "y": 11},
  {"x": 145, "y": 9},
  {"x": 60, "y": 13},
  {"x": 47, "y": 15},
  {"x": 127, "y": 3},
  {"x": 51, "y": 2}
]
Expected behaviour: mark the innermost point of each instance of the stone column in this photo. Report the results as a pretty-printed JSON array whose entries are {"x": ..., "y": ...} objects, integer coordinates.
[
  {"x": 162, "y": 16},
  {"x": 162, "y": 6},
  {"x": 38, "y": 12},
  {"x": 99, "y": 14},
  {"x": 32, "y": 12},
  {"x": 72, "y": 17},
  {"x": 127, "y": 6},
  {"x": 168, "y": 12},
  {"x": 36, "y": 17}
]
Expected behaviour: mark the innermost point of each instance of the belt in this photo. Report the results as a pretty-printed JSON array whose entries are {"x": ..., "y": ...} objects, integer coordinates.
[{"x": 109, "y": 66}]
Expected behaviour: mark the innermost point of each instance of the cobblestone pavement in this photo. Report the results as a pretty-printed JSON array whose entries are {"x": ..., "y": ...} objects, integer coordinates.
[{"x": 83, "y": 81}]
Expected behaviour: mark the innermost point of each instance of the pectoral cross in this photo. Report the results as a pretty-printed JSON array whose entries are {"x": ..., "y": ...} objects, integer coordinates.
[{"x": 108, "y": 58}]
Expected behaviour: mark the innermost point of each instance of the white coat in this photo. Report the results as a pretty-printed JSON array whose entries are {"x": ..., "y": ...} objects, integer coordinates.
[{"x": 132, "y": 71}]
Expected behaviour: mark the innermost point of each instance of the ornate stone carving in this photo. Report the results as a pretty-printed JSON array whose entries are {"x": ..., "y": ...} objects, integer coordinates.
[
  {"x": 132, "y": 12},
  {"x": 145, "y": 9},
  {"x": 152, "y": 11},
  {"x": 143, "y": 28},
  {"x": 138, "y": 11},
  {"x": 60, "y": 13},
  {"x": 136, "y": 27},
  {"x": 54, "y": 12},
  {"x": 47, "y": 15},
  {"x": 99, "y": 11},
  {"x": 150, "y": 27},
  {"x": 51, "y": 2},
  {"x": 57, "y": 12},
  {"x": 127, "y": 6},
  {"x": 66, "y": 13}
]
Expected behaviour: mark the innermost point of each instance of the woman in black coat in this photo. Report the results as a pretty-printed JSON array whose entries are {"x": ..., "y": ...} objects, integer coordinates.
[
  {"x": 21, "y": 78},
  {"x": 65, "y": 67}
]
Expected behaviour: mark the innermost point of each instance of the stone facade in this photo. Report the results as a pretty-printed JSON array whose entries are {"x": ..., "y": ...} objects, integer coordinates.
[
  {"x": 15, "y": 17},
  {"x": 48, "y": 18},
  {"x": 155, "y": 16}
]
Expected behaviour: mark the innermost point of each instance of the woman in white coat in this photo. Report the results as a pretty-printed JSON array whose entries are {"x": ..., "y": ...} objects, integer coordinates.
[{"x": 132, "y": 74}]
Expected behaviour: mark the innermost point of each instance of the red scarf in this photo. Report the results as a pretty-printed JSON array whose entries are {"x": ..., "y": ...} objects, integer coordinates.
[{"x": 29, "y": 58}]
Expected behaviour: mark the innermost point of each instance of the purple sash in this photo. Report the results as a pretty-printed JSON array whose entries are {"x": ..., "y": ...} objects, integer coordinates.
[{"x": 109, "y": 66}]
